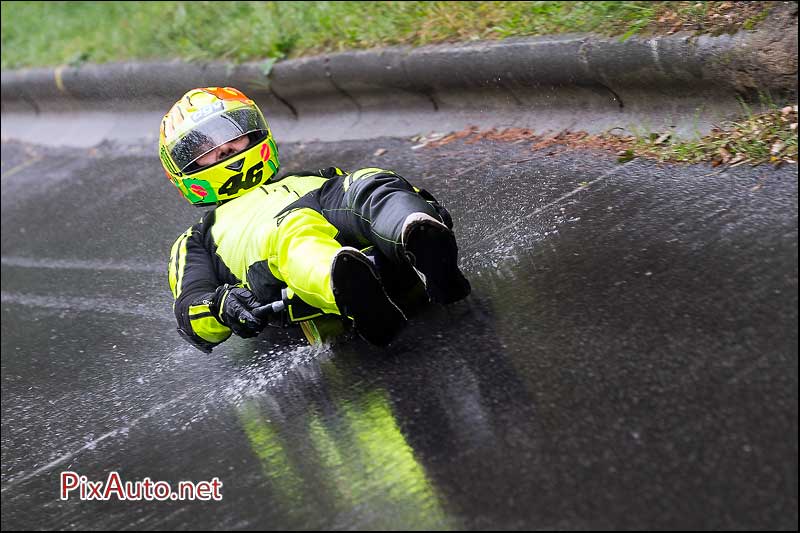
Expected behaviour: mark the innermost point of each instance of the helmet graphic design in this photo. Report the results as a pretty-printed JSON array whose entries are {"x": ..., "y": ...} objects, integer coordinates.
[{"x": 203, "y": 120}]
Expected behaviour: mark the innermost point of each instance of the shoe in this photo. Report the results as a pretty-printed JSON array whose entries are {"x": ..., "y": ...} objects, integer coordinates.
[
  {"x": 431, "y": 248},
  {"x": 360, "y": 295}
]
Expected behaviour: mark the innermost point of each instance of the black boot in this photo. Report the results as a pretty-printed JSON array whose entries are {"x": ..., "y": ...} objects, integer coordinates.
[
  {"x": 360, "y": 295},
  {"x": 431, "y": 248}
]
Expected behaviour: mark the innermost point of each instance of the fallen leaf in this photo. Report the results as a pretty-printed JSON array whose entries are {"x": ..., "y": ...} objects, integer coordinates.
[
  {"x": 777, "y": 147},
  {"x": 379, "y": 152},
  {"x": 663, "y": 137}
]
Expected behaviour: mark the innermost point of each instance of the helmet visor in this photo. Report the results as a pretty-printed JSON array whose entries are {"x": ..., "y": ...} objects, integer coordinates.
[{"x": 215, "y": 132}]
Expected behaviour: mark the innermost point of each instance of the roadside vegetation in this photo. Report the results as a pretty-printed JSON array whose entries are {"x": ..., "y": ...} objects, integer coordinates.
[
  {"x": 768, "y": 137},
  {"x": 41, "y": 34},
  {"x": 762, "y": 138},
  {"x": 36, "y": 34}
]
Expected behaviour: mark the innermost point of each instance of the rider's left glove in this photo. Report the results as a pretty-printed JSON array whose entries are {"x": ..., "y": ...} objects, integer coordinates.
[{"x": 233, "y": 306}]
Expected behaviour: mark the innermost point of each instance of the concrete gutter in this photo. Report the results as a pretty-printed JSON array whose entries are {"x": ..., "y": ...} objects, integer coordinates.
[{"x": 547, "y": 83}]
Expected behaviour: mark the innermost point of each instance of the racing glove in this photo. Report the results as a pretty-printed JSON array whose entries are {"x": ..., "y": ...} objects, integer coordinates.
[{"x": 233, "y": 306}]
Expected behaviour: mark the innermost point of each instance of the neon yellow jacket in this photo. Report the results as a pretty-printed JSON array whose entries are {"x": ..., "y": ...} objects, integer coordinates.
[{"x": 243, "y": 242}]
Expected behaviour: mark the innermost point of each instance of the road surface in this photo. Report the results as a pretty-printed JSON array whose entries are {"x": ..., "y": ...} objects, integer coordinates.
[{"x": 628, "y": 357}]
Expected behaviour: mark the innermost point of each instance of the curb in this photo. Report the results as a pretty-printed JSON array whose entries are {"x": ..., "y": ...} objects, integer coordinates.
[{"x": 660, "y": 79}]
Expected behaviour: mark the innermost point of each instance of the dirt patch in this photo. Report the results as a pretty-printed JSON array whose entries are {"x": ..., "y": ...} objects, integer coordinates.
[
  {"x": 766, "y": 57},
  {"x": 715, "y": 18}
]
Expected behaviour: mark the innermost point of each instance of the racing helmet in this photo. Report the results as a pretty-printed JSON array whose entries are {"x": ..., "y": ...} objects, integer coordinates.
[{"x": 203, "y": 120}]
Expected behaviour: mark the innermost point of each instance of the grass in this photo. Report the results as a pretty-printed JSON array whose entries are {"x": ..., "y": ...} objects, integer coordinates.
[
  {"x": 56, "y": 33},
  {"x": 768, "y": 137}
]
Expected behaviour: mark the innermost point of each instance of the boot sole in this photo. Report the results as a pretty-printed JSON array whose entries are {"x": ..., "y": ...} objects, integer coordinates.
[
  {"x": 435, "y": 256},
  {"x": 356, "y": 285}
]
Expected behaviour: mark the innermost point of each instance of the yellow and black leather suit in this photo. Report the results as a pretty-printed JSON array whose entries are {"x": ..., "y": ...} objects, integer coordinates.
[{"x": 282, "y": 236}]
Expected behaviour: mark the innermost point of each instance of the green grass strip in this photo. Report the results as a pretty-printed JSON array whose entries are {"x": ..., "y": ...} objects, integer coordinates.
[{"x": 57, "y": 33}]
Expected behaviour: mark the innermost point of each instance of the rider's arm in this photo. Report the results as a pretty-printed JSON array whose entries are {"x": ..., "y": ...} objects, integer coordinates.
[{"x": 193, "y": 281}]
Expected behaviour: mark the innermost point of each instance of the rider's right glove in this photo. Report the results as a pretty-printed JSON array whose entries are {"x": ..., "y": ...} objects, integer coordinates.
[{"x": 233, "y": 306}]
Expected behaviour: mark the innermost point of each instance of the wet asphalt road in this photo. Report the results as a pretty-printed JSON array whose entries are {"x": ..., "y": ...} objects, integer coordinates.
[{"x": 628, "y": 358}]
